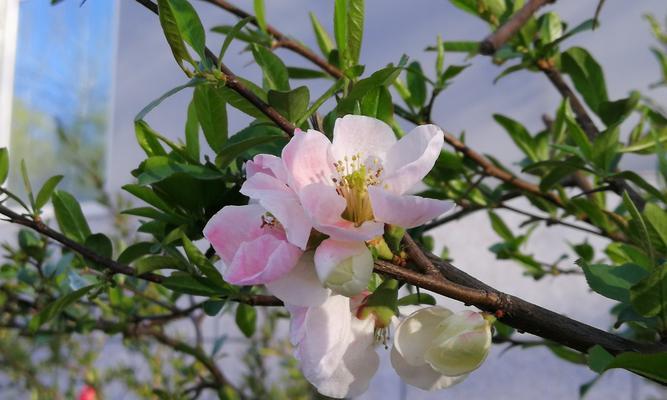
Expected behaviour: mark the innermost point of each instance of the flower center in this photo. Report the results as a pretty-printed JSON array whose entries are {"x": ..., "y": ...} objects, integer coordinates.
[
  {"x": 381, "y": 336},
  {"x": 354, "y": 177}
]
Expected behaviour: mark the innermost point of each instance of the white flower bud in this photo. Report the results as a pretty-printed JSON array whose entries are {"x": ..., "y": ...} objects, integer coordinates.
[
  {"x": 435, "y": 349},
  {"x": 344, "y": 267}
]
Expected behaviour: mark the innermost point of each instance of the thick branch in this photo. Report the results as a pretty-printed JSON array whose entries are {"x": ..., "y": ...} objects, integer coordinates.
[
  {"x": 518, "y": 313},
  {"x": 498, "y": 38}
]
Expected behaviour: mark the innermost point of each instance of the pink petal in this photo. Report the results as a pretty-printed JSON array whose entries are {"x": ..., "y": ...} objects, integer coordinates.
[
  {"x": 266, "y": 164},
  {"x": 324, "y": 207},
  {"x": 231, "y": 226},
  {"x": 361, "y": 135},
  {"x": 277, "y": 198},
  {"x": 261, "y": 261},
  {"x": 412, "y": 157},
  {"x": 404, "y": 210},
  {"x": 300, "y": 287},
  {"x": 307, "y": 159}
]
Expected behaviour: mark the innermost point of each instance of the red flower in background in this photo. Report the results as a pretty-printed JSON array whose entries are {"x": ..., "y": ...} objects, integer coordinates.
[{"x": 88, "y": 393}]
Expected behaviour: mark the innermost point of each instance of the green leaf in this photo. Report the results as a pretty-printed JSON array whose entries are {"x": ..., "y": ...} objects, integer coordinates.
[
  {"x": 148, "y": 195},
  {"x": 197, "y": 258},
  {"x": 211, "y": 111},
  {"x": 416, "y": 84},
  {"x": 639, "y": 181},
  {"x": 519, "y": 135},
  {"x": 158, "y": 168},
  {"x": 147, "y": 139},
  {"x": 70, "y": 218},
  {"x": 587, "y": 76},
  {"x": 181, "y": 23},
  {"x": 338, "y": 85},
  {"x": 26, "y": 184},
  {"x": 551, "y": 27},
  {"x": 440, "y": 57},
  {"x": 377, "y": 104},
  {"x": 355, "y": 29},
  {"x": 452, "y": 71},
  {"x": 100, "y": 244},
  {"x": 645, "y": 239},
  {"x": 290, "y": 104},
  {"x": 46, "y": 191},
  {"x": 599, "y": 358},
  {"x": 144, "y": 111},
  {"x": 305, "y": 73},
  {"x": 275, "y": 72},
  {"x": 615, "y": 112},
  {"x": 235, "y": 148},
  {"x": 579, "y": 137},
  {"x": 246, "y": 319},
  {"x": 154, "y": 263},
  {"x": 4, "y": 164},
  {"x": 469, "y": 47},
  {"x": 613, "y": 282},
  {"x": 233, "y": 33},
  {"x": 650, "y": 365},
  {"x": 135, "y": 251},
  {"x": 649, "y": 297},
  {"x": 500, "y": 227},
  {"x": 260, "y": 14},
  {"x": 416, "y": 299},
  {"x": 191, "y": 132},
  {"x": 56, "y": 307},
  {"x": 383, "y": 77},
  {"x": 657, "y": 218},
  {"x": 324, "y": 41},
  {"x": 185, "y": 283},
  {"x": 340, "y": 31},
  {"x": 604, "y": 153},
  {"x": 647, "y": 144},
  {"x": 213, "y": 307}
]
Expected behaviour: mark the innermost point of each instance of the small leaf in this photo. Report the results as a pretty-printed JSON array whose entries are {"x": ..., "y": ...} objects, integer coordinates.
[
  {"x": 26, "y": 184},
  {"x": 275, "y": 72},
  {"x": 180, "y": 14},
  {"x": 260, "y": 14},
  {"x": 135, "y": 251},
  {"x": 144, "y": 111},
  {"x": 340, "y": 31},
  {"x": 416, "y": 84},
  {"x": 197, "y": 258},
  {"x": 587, "y": 76},
  {"x": 551, "y": 27},
  {"x": 211, "y": 111},
  {"x": 324, "y": 41},
  {"x": 519, "y": 135},
  {"x": 185, "y": 283},
  {"x": 305, "y": 73},
  {"x": 613, "y": 282},
  {"x": 154, "y": 263},
  {"x": 235, "y": 148},
  {"x": 233, "y": 33},
  {"x": 46, "y": 191},
  {"x": 500, "y": 227},
  {"x": 213, "y": 307},
  {"x": 645, "y": 240},
  {"x": 657, "y": 218},
  {"x": 246, "y": 319},
  {"x": 649, "y": 297},
  {"x": 355, "y": 29},
  {"x": 100, "y": 244},
  {"x": 192, "y": 132},
  {"x": 291, "y": 104},
  {"x": 70, "y": 217},
  {"x": 4, "y": 164},
  {"x": 158, "y": 168},
  {"x": 54, "y": 308}
]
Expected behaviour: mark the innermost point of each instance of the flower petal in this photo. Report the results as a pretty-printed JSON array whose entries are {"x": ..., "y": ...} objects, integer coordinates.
[
  {"x": 344, "y": 267},
  {"x": 415, "y": 334},
  {"x": 462, "y": 345},
  {"x": 405, "y": 210},
  {"x": 359, "y": 364},
  {"x": 277, "y": 198},
  {"x": 266, "y": 164},
  {"x": 231, "y": 226},
  {"x": 323, "y": 346},
  {"x": 261, "y": 260},
  {"x": 324, "y": 207},
  {"x": 412, "y": 157},
  {"x": 300, "y": 287},
  {"x": 360, "y": 135},
  {"x": 424, "y": 377},
  {"x": 307, "y": 158}
]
